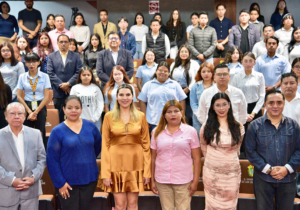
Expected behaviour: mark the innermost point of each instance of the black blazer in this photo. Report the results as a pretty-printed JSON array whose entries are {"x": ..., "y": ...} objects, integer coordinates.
[
  {"x": 58, "y": 73},
  {"x": 105, "y": 64}
]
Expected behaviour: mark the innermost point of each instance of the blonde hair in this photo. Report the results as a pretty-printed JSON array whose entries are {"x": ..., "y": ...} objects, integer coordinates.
[{"x": 134, "y": 113}]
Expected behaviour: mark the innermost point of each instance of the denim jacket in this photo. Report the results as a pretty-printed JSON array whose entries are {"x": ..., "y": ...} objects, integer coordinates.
[{"x": 267, "y": 146}]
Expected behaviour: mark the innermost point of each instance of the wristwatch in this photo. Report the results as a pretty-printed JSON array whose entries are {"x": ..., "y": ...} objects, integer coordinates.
[
  {"x": 274, "y": 87},
  {"x": 69, "y": 84},
  {"x": 269, "y": 170}
]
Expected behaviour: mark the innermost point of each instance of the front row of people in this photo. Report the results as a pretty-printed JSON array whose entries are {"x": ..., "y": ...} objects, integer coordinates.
[{"x": 173, "y": 166}]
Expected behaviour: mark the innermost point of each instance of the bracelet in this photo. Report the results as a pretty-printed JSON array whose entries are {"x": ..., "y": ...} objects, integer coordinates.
[{"x": 253, "y": 113}]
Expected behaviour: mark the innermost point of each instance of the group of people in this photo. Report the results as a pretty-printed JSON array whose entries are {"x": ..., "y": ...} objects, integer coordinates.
[{"x": 234, "y": 107}]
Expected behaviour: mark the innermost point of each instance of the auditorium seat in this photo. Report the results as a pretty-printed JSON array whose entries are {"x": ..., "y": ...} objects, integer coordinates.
[
  {"x": 246, "y": 201},
  {"x": 100, "y": 201},
  {"x": 198, "y": 201},
  {"x": 46, "y": 202},
  {"x": 137, "y": 63},
  {"x": 217, "y": 61},
  {"x": 148, "y": 201},
  {"x": 170, "y": 61},
  {"x": 52, "y": 120}
]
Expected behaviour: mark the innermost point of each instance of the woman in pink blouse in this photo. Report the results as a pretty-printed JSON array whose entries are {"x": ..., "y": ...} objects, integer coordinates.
[
  {"x": 175, "y": 148},
  {"x": 221, "y": 138}
]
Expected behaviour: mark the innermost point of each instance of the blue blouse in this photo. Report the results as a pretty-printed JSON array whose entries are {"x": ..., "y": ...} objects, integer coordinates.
[
  {"x": 8, "y": 26},
  {"x": 71, "y": 157},
  {"x": 146, "y": 73}
]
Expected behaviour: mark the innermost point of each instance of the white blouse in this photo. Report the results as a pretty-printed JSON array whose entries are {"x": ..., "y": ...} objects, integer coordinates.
[
  {"x": 284, "y": 36},
  {"x": 139, "y": 31},
  {"x": 253, "y": 87},
  {"x": 82, "y": 34}
]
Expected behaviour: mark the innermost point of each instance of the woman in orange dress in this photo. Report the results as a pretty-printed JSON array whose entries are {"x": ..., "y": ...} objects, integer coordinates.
[
  {"x": 125, "y": 156},
  {"x": 220, "y": 140}
]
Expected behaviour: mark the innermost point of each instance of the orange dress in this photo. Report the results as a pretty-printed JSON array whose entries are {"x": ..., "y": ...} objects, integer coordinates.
[
  {"x": 125, "y": 155},
  {"x": 221, "y": 171}
]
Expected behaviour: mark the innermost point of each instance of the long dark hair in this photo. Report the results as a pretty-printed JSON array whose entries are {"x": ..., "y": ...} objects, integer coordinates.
[
  {"x": 230, "y": 52},
  {"x": 293, "y": 41},
  {"x": 79, "y": 14},
  {"x": 253, "y": 5},
  {"x": 296, "y": 60},
  {"x": 187, "y": 64},
  {"x": 212, "y": 124},
  {"x": 144, "y": 57},
  {"x": 75, "y": 43},
  {"x": 140, "y": 14},
  {"x": 277, "y": 9},
  {"x": 48, "y": 28},
  {"x": 170, "y": 21},
  {"x": 13, "y": 60},
  {"x": 162, "y": 63},
  {"x": 93, "y": 80},
  {"x": 286, "y": 16},
  {"x": 100, "y": 43},
  {"x": 3, "y": 95},
  {"x": 17, "y": 50},
  {"x": 40, "y": 48}
]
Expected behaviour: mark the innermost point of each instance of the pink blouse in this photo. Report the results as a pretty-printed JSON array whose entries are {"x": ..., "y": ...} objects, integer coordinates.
[{"x": 174, "y": 163}]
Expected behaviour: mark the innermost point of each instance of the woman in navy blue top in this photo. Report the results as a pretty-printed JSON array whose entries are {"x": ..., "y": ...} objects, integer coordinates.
[
  {"x": 71, "y": 157},
  {"x": 278, "y": 14},
  {"x": 9, "y": 28}
]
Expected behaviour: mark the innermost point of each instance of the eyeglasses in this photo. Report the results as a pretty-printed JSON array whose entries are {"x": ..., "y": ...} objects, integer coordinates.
[
  {"x": 269, "y": 31},
  {"x": 63, "y": 42},
  {"x": 219, "y": 106},
  {"x": 115, "y": 75},
  {"x": 114, "y": 39},
  {"x": 30, "y": 62},
  {"x": 163, "y": 71},
  {"x": 149, "y": 55},
  {"x": 5, "y": 51},
  {"x": 296, "y": 67},
  {"x": 12, "y": 114},
  {"x": 222, "y": 74}
]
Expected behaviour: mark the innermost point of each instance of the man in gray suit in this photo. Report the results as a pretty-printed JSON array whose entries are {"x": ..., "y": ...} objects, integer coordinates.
[
  {"x": 63, "y": 67},
  {"x": 22, "y": 162},
  {"x": 111, "y": 57}
]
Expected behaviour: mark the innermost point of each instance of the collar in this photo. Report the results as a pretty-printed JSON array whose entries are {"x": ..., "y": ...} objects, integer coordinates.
[
  {"x": 243, "y": 28},
  {"x": 23, "y": 52},
  {"x": 37, "y": 75},
  {"x": 237, "y": 65},
  {"x": 256, "y": 22},
  {"x": 296, "y": 97},
  {"x": 229, "y": 89},
  {"x": 181, "y": 128},
  {"x": 154, "y": 65},
  {"x": 112, "y": 51},
  {"x": 9, "y": 129},
  {"x": 167, "y": 81},
  {"x": 245, "y": 75},
  {"x": 291, "y": 29},
  {"x": 275, "y": 56},
  {"x": 220, "y": 20},
  {"x": 63, "y": 32},
  {"x": 201, "y": 28},
  {"x": 120, "y": 32},
  {"x": 116, "y": 85},
  {"x": 155, "y": 35},
  {"x": 63, "y": 54},
  {"x": 265, "y": 117}
]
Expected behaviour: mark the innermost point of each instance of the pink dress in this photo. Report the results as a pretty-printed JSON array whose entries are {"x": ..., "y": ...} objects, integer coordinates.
[{"x": 221, "y": 171}]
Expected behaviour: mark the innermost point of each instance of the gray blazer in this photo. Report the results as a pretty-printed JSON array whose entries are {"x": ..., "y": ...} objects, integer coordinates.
[
  {"x": 10, "y": 166},
  {"x": 235, "y": 36}
]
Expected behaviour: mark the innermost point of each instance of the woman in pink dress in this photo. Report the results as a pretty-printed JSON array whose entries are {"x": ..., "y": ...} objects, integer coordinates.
[{"x": 220, "y": 139}]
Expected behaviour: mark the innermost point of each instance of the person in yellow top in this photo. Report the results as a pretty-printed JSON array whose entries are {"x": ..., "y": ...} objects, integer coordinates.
[
  {"x": 104, "y": 27},
  {"x": 125, "y": 156}
]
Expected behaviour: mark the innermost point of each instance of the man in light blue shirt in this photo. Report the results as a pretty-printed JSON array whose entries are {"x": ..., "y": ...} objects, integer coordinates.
[
  {"x": 156, "y": 94},
  {"x": 272, "y": 65}
]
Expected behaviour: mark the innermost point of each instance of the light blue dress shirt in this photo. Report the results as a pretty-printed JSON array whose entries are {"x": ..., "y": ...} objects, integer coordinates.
[
  {"x": 233, "y": 70},
  {"x": 272, "y": 68},
  {"x": 114, "y": 55},
  {"x": 146, "y": 73},
  {"x": 156, "y": 95},
  {"x": 114, "y": 94},
  {"x": 196, "y": 91},
  {"x": 42, "y": 84}
]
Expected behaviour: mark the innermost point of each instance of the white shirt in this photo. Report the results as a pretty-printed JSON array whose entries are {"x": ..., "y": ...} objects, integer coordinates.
[
  {"x": 167, "y": 44},
  {"x": 19, "y": 143},
  {"x": 237, "y": 98},
  {"x": 179, "y": 75},
  {"x": 139, "y": 31},
  {"x": 64, "y": 57},
  {"x": 82, "y": 34},
  {"x": 295, "y": 53},
  {"x": 253, "y": 87},
  {"x": 114, "y": 55},
  {"x": 284, "y": 36},
  {"x": 292, "y": 108},
  {"x": 260, "y": 49},
  {"x": 92, "y": 101}
]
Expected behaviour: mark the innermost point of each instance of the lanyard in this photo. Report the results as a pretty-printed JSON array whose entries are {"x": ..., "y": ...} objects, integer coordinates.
[{"x": 33, "y": 86}]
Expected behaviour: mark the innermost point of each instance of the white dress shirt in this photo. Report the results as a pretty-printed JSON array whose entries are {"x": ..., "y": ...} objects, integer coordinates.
[
  {"x": 237, "y": 98},
  {"x": 292, "y": 108},
  {"x": 114, "y": 55},
  {"x": 284, "y": 36},
  {"x": 64, "y": 57},
  {"x": 167, "y": 44},
  {"x": 260, "y": 49},
  {"x": 295, "y": 53},
  {"x": 19, "y": 143},
  {"x": 253, "y": 87},
  {"x": 82, "y": 34}
]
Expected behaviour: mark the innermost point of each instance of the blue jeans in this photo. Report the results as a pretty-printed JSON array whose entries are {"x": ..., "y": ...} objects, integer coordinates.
[
  {"x": 265, "y": 192},
  {"x": 210, "y": 60},
  {"x": 151, "y": 128},
  {"x": 196, "y": 124},
  {"x": 138, "y": 53},
  {"x": 98, "y": 124}
]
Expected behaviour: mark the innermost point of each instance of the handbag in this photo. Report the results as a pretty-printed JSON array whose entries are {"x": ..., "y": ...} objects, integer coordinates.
[{"x": 174, "y": 43}]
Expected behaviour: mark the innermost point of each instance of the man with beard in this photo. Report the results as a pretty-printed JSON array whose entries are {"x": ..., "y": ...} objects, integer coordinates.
[{"x": 30, "y": 21}]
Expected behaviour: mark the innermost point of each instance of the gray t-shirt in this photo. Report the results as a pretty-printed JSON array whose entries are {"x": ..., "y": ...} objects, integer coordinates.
[{"x": 30, "y": 19}]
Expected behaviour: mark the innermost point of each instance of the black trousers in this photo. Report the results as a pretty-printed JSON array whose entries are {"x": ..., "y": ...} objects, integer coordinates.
[
  {"x": 219, "y": 53},
  {"x": 40, "y": 122},
  {"x": 81, "y": 197},
  {"x": 58, "y": 104}
]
